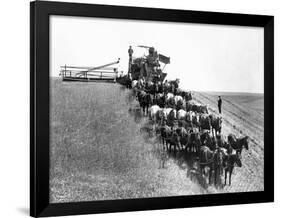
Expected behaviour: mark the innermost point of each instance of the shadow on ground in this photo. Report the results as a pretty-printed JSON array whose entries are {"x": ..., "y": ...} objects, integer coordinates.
[{"x": 186, "y": 161}]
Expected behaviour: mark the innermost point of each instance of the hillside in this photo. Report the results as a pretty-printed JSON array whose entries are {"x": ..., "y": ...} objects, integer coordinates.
[
  {"x": 243, "y": 114},
  {"x": 101, "y": 147}
]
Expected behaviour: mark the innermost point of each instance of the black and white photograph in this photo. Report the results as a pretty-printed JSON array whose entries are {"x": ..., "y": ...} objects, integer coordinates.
[{"x": 144, "y": 109}]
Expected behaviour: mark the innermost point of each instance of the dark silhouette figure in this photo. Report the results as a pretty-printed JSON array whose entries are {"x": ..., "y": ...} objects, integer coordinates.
[
  {"x": 219, "y": 104},
  {"x": 130, "y": 51}
]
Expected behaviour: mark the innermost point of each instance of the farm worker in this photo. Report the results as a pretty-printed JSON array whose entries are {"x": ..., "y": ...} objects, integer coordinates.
[
  {"x": 219, "y": 104},
  {"x": 130, "y": 51}
]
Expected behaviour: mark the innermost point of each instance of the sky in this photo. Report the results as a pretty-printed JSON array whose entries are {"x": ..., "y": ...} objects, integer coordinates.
[{"x": 204, "y": 57}]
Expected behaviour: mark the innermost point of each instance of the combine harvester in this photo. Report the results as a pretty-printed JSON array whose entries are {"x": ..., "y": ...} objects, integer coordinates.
[
  {"x": 147, "y": 67},
  {"x": 88, "y": 74}
]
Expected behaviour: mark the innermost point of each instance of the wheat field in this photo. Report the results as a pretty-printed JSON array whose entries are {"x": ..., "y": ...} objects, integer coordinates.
[{"x": 101, "y": 146}]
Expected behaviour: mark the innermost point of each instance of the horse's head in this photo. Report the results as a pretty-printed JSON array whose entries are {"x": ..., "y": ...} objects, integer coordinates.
[{"x": 204, "y": 109}]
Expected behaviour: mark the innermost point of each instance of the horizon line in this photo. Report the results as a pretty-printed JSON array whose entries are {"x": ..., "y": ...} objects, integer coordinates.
[{"x": 242, "y": 92}]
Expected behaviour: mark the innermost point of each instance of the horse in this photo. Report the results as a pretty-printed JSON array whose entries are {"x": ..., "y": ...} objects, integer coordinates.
[
  {"x": 216, "y": 124},
  {"x": 165, "y": 132},
  {"x": 188, "y": 96},
  {"x": 134, "y": 84},
  {"x": 190, "y": 115},
  {"x": 238, "y": 144},
  {"x": 206, "y": 157},
  {"x": 185, "y": 124},
  {"x": 213, "y": 160},
  {"x": 152, "y": 111},
  {"x": 170, "y": 100},
  {"x": 174, "y": 85},
  {"x": 211, "y": 143},
  {"x": 154, "y": 88},
  {"x": 219, "y": 155},
  {"x": 205, "y": 122},
  {"x": 199, "y": 108},
  {"x": 184, "y": 94},
  {"x": 181, "y": 114},
  {"x": 160, "y": 100},
  {"x": 166, "y": 87},
  {"x": 229, "y": 163},
  {"x": 205, "y": 134},
  {"x": 166, "y": 112},
  {"x": 178, "y": 98},
  {"x": 181, "y": 131},
  {"x": 180, "y": 105},
  {"x": 172, "y": 116},
  {"x": 140, "y": 83},
  {"x": 170, "y": 95},
  {"x": 194, "y": 142},
  {"x": 203, "y": 109},
  {"x": 173, "y": 140},
  {"x": 144, "y": 100},
  {"x": 188, "y": 106},
  {"x": 160, "y": 116},
  {"x": 195, "y": 120}
]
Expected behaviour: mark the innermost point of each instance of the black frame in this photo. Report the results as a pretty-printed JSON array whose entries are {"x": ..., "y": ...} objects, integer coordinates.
[{"x": 39, "y": 107}]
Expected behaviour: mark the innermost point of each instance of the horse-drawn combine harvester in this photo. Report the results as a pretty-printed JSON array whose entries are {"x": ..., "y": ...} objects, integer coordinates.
[
  {"x": 86, "y": 74},
  {"x": 147, "y": 67},
  {"x": 182, "y": 124}
]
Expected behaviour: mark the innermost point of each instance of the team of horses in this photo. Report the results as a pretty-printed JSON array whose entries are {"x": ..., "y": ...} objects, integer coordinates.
[{"x": 183, "y": 125}]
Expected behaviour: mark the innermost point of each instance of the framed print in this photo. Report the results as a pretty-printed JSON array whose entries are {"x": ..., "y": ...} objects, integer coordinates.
[{"x": 143, "y": 109}]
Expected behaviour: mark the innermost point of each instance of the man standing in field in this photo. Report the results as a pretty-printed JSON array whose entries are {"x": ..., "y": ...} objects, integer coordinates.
[
  {"x": 219, "y": 104},
  {"x": 130, "y": 51}
]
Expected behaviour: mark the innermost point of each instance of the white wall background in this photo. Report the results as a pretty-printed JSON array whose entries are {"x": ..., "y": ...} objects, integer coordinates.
[{"x": 14, "y": 114}]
